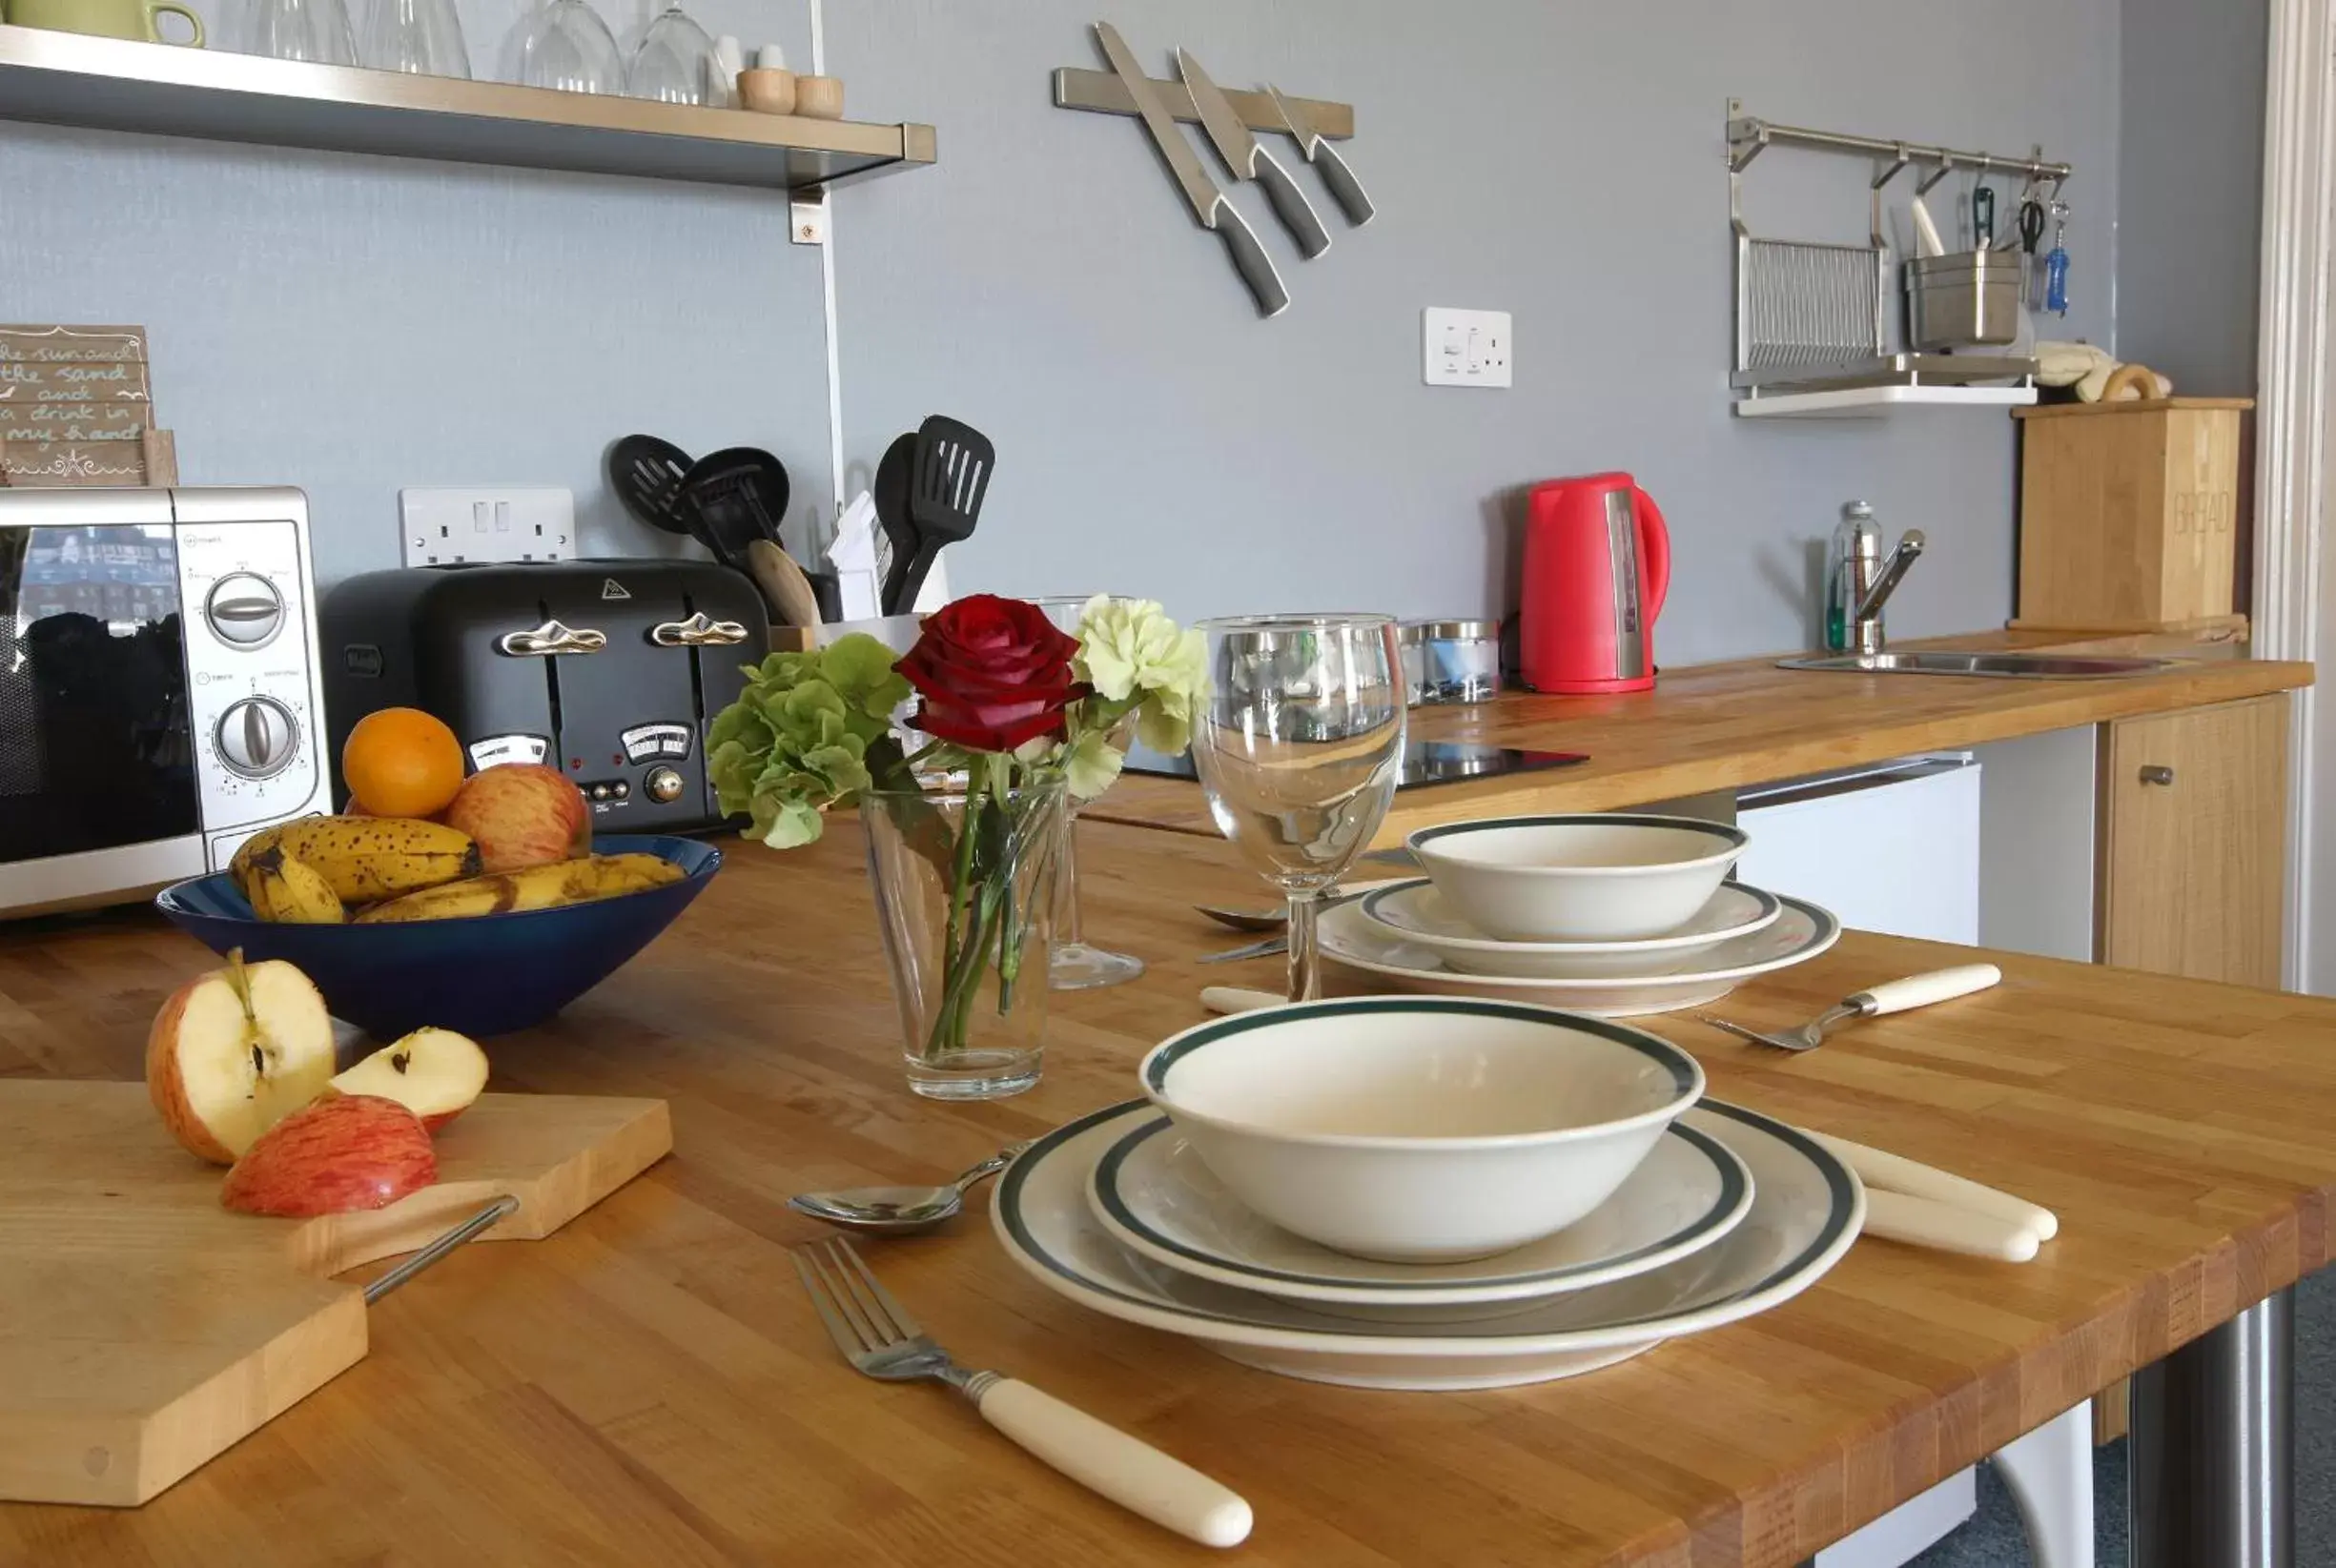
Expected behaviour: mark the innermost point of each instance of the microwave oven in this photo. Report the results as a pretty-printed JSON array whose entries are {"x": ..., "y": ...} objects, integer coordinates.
[{"x": 161, "y": 698}]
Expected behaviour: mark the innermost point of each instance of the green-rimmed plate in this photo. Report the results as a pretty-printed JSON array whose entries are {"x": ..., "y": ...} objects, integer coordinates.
[
  {"x": 1806, "y": 1209},
  {"x": 1155, "y": 1195}
]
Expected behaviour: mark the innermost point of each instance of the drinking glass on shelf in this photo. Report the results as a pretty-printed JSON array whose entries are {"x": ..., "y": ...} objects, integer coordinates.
[
  {"x": 675, "y": 63},
  {"x": 422, "y": 37},
  {"x": 1077, "y": 965},
  {"x": 314, "y": 31},
  {"x": 1297, "y": 749},
  {"x": 564, "y": 45}
]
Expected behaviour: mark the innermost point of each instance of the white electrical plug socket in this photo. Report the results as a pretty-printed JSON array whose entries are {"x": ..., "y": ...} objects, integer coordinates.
[
  {"x": 440, "y": 526},
  {"x": 1465, "y": 348}
]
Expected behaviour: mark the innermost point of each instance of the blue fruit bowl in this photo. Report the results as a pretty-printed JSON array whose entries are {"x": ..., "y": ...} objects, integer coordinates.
[{"x": 489, "y": 974}]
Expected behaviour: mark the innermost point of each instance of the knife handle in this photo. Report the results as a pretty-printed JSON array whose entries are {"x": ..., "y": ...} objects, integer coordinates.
[
  {"x": 1290, "y": 203},
  {"x": 1343, "y": 186},
  {"x": 1249, "y": 258}
]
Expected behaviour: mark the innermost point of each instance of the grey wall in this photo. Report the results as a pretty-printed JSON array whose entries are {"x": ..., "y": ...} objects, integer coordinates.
[
  {"x": 2189, "y": 190},
  {"x": 351, "y": 325},
  {"x": 1559, "y": 161}
]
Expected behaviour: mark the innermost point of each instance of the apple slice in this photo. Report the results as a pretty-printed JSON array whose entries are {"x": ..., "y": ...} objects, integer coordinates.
[
  {"x": 343, "y": 1152},
  {"x": 433, "y": 1073},
  {"x": 235, "y": 1051}
]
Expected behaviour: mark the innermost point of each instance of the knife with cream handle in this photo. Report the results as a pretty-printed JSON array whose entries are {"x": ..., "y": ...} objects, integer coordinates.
[
  {"x": 1925, "y": 1222},
  {"x": 1896, "y": 1174}
]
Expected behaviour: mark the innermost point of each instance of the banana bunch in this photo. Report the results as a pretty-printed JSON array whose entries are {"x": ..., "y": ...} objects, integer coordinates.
[
  {"x": 536, "y": 888},
  {"x": 290, "y": 891},
  {"x": 362, "y": 860}
]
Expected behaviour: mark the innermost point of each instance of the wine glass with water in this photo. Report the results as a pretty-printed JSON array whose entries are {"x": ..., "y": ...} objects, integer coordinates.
[{"x": 1298, "y": 748}]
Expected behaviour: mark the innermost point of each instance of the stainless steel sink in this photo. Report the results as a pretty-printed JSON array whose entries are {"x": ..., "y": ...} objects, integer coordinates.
[{"x": 2011, "y": 667}]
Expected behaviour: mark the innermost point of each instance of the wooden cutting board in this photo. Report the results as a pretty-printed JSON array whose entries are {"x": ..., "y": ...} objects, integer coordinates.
[{"x": 144, "y": 1329}]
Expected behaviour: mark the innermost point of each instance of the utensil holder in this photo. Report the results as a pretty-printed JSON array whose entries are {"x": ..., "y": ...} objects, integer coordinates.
[{"x": 1969, "y": 299}]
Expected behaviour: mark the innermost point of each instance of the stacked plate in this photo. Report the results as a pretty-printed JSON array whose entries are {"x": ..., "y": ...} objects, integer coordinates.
[
  {"x": 1609, "y": 914},
  {"x": 1133, "y": 1211}
]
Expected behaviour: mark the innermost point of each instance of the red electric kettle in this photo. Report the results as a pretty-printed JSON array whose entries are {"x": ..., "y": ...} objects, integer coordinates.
[{"x": 1597, "y": 560}]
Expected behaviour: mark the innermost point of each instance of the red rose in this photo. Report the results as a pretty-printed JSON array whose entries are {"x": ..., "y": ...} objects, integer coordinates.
[{"x": 992, "y": 672}]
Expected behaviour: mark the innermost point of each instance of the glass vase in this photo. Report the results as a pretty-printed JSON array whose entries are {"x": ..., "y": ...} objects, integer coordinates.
[{"x": 965, "y": 886}]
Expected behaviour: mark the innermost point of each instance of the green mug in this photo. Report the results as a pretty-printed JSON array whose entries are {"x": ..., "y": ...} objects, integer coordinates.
[{"x": 106, "y": 18}]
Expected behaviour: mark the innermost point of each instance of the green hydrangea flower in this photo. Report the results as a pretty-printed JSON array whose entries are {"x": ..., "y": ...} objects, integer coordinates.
[{"x": 811, "y": 730}]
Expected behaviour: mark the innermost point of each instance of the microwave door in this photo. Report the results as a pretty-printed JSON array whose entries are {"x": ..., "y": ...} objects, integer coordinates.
[{"x": 97, "y": 744}]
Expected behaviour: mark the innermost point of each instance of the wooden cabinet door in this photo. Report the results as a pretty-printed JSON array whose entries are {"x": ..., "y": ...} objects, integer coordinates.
[{"x": 2193, "y": 842}]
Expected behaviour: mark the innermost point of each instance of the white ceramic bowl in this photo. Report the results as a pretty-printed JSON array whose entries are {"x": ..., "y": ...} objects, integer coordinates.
[
  {"x": 1420, "y": 1128},
  {"x": 1596, "y": 877}
]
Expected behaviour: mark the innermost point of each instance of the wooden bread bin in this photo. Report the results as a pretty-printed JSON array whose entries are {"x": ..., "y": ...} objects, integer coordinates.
[{"x": 2130, "y": 513}]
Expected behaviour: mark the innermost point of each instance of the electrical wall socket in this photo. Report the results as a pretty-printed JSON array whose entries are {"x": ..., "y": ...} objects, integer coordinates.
[
  {"x": 440, "y": 526},
  {"x": 1465, "y": 348}
]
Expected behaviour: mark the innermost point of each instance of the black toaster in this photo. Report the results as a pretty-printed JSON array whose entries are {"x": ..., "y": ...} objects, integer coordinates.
[{"x": 609, "y": 670}]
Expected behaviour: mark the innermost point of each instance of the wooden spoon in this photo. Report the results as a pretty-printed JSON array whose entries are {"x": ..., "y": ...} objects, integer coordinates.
[{"x": 784, "y": 586}]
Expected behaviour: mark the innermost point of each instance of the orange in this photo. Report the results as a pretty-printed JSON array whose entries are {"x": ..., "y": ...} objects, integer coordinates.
[{"x": 401, "y": 762}]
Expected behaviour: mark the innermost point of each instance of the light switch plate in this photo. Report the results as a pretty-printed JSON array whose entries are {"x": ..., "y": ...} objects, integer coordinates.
[
  {"x": 440, "y": 525},
  {"x": 1465, "y": 348}
]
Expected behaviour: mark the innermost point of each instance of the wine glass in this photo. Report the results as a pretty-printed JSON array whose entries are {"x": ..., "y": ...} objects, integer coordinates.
[
  {"x": 1077, "y": 965},
  {"x": 564, "y": 45},
  {"x": 316, "y": 31},
  {"x": 1298, "y": 748},
  {"x": 423, "y": 37},
  {"x": 676, "y": 64}
]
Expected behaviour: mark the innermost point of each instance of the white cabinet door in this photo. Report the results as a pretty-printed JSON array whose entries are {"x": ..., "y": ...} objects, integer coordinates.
[{"x": 1894, "y": 850}]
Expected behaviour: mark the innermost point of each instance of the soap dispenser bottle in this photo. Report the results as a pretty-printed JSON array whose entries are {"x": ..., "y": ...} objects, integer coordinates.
[{"x": 1850, "y": 560}]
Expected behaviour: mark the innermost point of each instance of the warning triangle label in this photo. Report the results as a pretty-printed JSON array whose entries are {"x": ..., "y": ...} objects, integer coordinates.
[{"x": 611, "y": 588}]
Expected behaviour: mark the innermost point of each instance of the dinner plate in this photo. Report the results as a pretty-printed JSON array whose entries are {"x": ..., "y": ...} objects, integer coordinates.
[
  {"x": 1416, "y": 913},
  {"x": 1152, "y": 1191},
  {"x": 1807, "y": 1208},
  {"x": 1352, "y": 941}
]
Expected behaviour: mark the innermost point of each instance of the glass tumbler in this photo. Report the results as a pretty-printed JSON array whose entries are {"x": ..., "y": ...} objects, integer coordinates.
[
  {"x": 421, "y": 37},
  {"x": 314, "y": 31}
]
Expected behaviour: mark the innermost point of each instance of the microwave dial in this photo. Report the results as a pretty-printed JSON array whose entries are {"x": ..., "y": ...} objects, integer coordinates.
[
  {"x": 244, "y": 610},
  {"x": 258, "y": 737}
]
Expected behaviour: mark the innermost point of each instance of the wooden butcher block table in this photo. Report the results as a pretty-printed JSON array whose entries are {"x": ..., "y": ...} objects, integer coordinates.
[{"x": 650, "y": 1386}]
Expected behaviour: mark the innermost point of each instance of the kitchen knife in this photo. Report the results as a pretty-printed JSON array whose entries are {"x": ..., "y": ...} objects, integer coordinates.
[
  {"x": 1326, "y": 157},
  {"x": 1249, "y": 161},
  {"x": 1209, "y": 204}
]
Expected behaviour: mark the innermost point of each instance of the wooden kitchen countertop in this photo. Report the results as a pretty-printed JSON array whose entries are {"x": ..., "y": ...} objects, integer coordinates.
[
  {"x": 650, "y": 1385},
  {"x": 1722, "y": 726}
]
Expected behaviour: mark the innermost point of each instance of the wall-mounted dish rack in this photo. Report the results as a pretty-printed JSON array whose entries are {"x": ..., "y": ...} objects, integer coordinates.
[{"x": 1813, "y": 320}]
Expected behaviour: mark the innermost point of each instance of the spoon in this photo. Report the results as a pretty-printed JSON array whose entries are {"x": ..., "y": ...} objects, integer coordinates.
[
  {"x": 900, "y": 1210},
  {"x": 1273, "y": 920}
]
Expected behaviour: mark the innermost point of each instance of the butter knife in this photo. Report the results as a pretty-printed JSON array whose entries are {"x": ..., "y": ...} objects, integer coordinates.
[
  {"x": 1326, "y": 156},
  {"x": 1209, "y": 204},
  {"x": 1249, "y": 161}
]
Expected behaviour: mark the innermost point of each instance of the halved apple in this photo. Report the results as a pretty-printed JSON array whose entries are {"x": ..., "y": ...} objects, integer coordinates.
[
  {"x": 343, "y": 1152},
  {"x": 432, "y": 1073},
  {"x": 235, "y": 1050}
]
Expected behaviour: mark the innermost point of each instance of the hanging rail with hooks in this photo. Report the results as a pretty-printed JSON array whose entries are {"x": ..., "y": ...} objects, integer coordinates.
[{"x": 1749, "y": 136}]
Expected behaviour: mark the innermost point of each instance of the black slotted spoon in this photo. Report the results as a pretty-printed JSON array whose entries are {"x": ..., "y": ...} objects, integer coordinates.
[
  {"x": 948, "y": 475},
  {"x": 646, "y": 475}
]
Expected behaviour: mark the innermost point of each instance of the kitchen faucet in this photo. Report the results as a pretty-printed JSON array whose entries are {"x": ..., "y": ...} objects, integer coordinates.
[{"x": 1871, "y": 587}]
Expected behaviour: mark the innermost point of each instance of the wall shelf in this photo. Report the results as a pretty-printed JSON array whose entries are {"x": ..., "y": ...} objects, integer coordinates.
[
  {"x": 1869, "y": 402},
  {"x": 108, "y": 84}
]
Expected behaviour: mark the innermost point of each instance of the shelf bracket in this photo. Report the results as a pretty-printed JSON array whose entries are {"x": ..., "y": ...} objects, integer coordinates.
[{"x": 806, "y": 215}]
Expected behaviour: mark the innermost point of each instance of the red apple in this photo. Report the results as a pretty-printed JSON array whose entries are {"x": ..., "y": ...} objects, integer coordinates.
[
  {"x": 235, "y": 1050},
  {"x": 521, "y": 814},
  {"x": 433, "y": 1073},
  {"x": 346, "y": 1152}
]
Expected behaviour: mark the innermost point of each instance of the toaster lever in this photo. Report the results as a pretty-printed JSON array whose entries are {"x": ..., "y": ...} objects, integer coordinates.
[
  {"x": 552, "y": 638},
  {"x": 699, "y": 631}
]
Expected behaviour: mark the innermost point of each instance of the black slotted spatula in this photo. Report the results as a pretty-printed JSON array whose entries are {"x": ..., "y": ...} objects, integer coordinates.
[{"x": 949, "y": 476}]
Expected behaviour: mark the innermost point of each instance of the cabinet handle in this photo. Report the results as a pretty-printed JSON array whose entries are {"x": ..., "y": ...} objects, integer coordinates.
[{"x": 2156, "y": 774}]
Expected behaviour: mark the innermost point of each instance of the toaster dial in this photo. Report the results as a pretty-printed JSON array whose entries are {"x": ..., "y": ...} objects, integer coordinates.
[
  {"x": 244, "y": 610},
  {"x": 257, "y": 737},
  {"x": 664, "y": 784}
]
